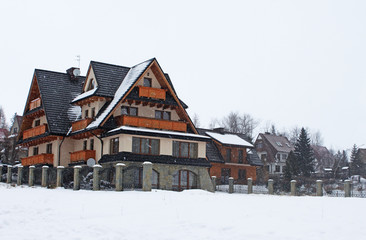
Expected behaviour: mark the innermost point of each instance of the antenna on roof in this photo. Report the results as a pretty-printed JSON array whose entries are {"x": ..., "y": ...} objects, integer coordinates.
[{"x": 78, "y": 59}]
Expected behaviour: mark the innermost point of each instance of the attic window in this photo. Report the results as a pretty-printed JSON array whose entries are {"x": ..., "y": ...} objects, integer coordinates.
[
  {"x": 279, "y": 144},
  {"x": 92, "y": 84},
  {"x": 147, "y": 82}
]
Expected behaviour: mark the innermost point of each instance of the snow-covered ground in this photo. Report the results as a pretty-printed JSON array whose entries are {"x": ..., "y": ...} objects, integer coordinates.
[{"x": 36, "y": 213}]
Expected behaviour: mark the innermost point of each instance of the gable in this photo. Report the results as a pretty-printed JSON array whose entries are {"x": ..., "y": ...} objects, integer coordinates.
[
  {"x": 134, "y": 77},
  {"x": 90, "y": 82}
]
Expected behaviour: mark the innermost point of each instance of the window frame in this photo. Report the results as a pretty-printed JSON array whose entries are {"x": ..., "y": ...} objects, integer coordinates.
[
  {"x": 128, "y": 110},
  {"x": 241, "y": 156},
  {"x": 163, "y": 114},
  {"x": 150, "y": 146},
  {"x": 149, "y": 80},
  {"x": 35, "y": 151},
  {"x": 91, "y": 144},
  {"x": 114, "y": 145},
  {"x": 37, "y": 122},
  {"x": 49, "y": 148},
  {"x": 191, "y": 145},
  {"x": 228, "y": 155},
  {"x": 85, "y": 145}
]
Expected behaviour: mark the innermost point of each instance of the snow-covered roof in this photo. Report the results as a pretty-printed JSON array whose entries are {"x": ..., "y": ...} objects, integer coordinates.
[
  {"x": 345, "y": 168},
  {"x": 147, "y": 130},
  {"x": 84, "y": 95},
  {"x": 327, "y": 169},
  {"x": 230, "y": 139},
  {"x": 133, "y": 74}
]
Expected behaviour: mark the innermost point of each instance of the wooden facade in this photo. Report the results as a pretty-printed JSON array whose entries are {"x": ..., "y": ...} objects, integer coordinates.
[
  {"x": 82, "y": 155},
  {"x": 43, "y": 158},
  {"x": 151, "y": 123}
]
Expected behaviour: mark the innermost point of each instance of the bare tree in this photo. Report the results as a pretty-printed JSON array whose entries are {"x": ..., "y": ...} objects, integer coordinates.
[
  {"x": 294, "y": 134},
  {"x": 247, "y": 124},
  {"x": 231, "y": 122},
  {"x": 196, "y": 120},
  {"x": 317, "y": 139},
  {"x": 3, "y": 123},
  {"x": 214, "y": 123}
]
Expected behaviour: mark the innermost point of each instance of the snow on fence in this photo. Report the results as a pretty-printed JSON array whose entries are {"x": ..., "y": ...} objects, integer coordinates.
[{"x": 106, "y": 180}]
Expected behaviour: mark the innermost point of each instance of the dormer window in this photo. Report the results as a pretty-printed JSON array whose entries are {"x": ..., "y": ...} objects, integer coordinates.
[
  {"x": 92, "y": 84},
  {"x": 279, "y": 144},
  {"x": 147, "y": 82}
]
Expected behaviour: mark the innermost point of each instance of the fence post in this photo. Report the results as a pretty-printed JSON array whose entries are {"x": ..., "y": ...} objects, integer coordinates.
[
  {"x": 250, "y": 186},
  {"x": 231, "y": 184},
  {"x": 146, "y": 176},
  {"x": 31, "y": 176},
  {"x": 319, "y": 188},
  {"x": 347, "y": 188},
  {"x": 270, "y": 186},
  {"x": 77, "y": 177},
  {"x": 213, "y": 179},
  {"x": 8, "y": 175},
  {"x": 59, "y": 176},
  {"x": 44, "y": 176},
  {"x": 96, "y": 177},
  {"x": 293, "y": 187},
  {"x": 119, "y": 176},
  {"x": 20, "y": 175},
  {"x": 1, "y": 173}
]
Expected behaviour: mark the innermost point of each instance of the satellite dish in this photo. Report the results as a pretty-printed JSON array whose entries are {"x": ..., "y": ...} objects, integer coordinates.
[
  {"x": 90, "y": 162},
  {"x": 76, "y": 72}
]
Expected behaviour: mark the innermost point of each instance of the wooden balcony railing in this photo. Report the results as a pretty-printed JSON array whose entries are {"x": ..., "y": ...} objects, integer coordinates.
[
  {"x": 82, "y": 155},
  {"x": 149, "y": 92},
  {"x": 81, "y": 124},
  {"x": 151, "y": 123},
  {"x": 35, "y": 131},
  {"x": 43, "y": 158},
  {"x": 35, "y": 103}
]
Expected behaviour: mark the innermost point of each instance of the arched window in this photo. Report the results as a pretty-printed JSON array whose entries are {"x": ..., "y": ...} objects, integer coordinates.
[{"x": 184, "y": 179}]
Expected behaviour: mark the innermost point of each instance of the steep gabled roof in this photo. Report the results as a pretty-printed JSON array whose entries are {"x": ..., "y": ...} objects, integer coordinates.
[
  {"x": 127, "y": 82},
  {"x": 279, "y": 143},
  {"x": 57, "y": 90}
]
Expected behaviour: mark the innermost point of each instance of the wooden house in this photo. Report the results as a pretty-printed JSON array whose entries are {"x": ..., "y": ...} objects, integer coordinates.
[
  {"x": 114, "y": 114},
  {"x": 231, "y": 155}
]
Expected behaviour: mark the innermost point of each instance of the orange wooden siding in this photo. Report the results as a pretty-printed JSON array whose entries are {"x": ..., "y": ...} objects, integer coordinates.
[
  {"x": 150, "y": 92},
  {"x": 151, "y": 123},
  {"x": 81, "y": 124},
  {"x": 43, "y": 158},
  {"x": 215, "y": 170},
  {"x": 35, "y": 131},
  {"x": 35, "y": 103},
  {"x": 82, "y": 155}
]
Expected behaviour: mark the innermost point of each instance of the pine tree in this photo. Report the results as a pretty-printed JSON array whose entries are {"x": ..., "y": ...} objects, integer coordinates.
[
  {"x": 304, "y": 154},
  {"x": 292, "y": 167},
  {"x": 356, "y": 164}
]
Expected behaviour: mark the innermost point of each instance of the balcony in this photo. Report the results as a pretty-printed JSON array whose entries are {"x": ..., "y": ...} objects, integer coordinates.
[
  {"x": 82, "y": 155},
  {"x": 81, "y": 124},
  {"x": 151, "y": 123},
  {"x": 43, "y": 158},
  {"x": 34, "y": 104},
  {"x": 149, "y": 92},
  {"x": 35, "y": 131}
]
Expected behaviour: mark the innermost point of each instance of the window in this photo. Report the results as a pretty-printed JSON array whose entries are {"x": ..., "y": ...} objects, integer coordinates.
[
  {"x": 85, "y": 143},
  {"x": 278, "y": 169},
  {"x": 264, "y": 157},
  {"x": 240, "y": 153},
  {"x": 92, "y": 84},
  {"x": 132, "y": 111},
  {"x": 242, "y": 174},
  {"x": 288, "y": 145},
  {"x": 162, "y": 115},
  {"x": 279, "y": 144},
  {"x": 35, "y": 151},
  {"x": 185, "y": 149},
  {"x": 114, "y": 145},
  {"x": 284, "y": 156},
  {"x": 259, "y": 145},
  {"x": 278, "y": 156},
  {"x": 225, "y": 174},
  {"x": 49, "y": 148},
  {"x": 37, "y": 122},
  {"x": 91, "y": 144},
  {"x": 93, "y": 113},
  {"x": 147, "y": 82},
  {"x": 145, "y": 146},
  {"x": 15, "y": 130},
  {"x": 86, "y": 114},
  {"x": 228, "y": 155}
]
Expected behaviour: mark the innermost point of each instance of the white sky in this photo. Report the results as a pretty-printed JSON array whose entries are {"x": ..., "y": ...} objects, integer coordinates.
[{"x": 294, "y": 63}]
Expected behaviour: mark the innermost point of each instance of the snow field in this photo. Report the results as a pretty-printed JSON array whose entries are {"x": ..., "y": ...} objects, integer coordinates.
[{"x": 37, "y": 213}]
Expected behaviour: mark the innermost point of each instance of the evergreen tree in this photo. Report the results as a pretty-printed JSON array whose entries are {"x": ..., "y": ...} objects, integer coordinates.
[
  {"x": 356, "y": 163},
  {"x": 304, "y": 154},
  {"x": 292, "y": 167}
]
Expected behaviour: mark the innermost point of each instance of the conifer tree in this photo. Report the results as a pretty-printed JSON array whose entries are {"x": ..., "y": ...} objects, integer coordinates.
[
  {"x": 356, "y": 164},
  {"x": 292, "y": 167},
  {"x": 304, "y": 154}
]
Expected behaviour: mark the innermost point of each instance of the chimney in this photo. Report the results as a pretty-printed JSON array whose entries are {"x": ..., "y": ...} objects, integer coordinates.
[
  {"x": 267, "y": 133},
  {"x": 73, "y": 72},
  {"x": 219, "y": 130}
]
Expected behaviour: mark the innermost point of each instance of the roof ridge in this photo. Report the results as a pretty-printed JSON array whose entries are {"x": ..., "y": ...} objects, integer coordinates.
[
  {"x": 44, "y": 70},
  {"x": 110, "y": 64}
]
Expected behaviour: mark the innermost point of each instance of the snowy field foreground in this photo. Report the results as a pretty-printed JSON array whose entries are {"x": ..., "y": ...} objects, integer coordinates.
[{"x": 36, "y": 213}]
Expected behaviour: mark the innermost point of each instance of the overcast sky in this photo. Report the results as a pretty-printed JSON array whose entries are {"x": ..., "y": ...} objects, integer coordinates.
[{"x": 294, "y": 63}]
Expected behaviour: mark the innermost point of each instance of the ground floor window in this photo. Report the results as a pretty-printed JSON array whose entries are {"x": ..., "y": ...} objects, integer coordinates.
[
  {"x": 225, "y": 174},
  {"x": 133, "y": 178},
  {"x": 242, "y": 174},
  {"x": 184, "y": 179}
]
